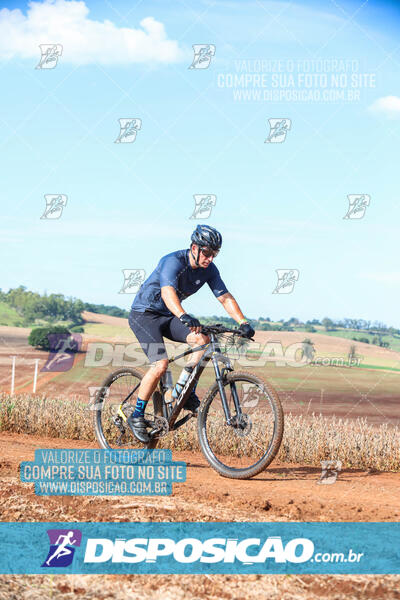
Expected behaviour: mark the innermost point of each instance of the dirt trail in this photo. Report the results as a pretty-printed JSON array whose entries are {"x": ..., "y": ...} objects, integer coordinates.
[{"x": 283, "y": 492}]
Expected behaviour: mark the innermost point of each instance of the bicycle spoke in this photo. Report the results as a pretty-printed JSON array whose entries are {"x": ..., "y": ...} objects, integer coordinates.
[
  {"x": 254, "y": 443},
  {"x": 111, "y": 429},
  {"x": 243, "y": 447}
]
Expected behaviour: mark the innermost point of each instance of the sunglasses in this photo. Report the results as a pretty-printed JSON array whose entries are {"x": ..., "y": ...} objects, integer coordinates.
[{"x": 207, "y": 252}]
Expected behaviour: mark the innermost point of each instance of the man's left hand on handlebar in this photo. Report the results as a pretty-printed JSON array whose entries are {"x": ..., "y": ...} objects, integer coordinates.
[{"x": 247, "y": 330}]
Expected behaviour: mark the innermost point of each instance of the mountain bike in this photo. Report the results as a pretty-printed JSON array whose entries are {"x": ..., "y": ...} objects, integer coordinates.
[{"x": 239, "y": 423}]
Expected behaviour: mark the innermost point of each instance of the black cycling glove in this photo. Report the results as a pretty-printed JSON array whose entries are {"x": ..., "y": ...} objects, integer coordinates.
[
  {"x": 247, "y": 330},
  {"x": 189, "y": 320}
]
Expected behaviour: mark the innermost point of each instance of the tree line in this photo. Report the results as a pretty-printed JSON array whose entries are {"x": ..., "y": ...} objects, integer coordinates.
[{"x": 53, "y": 308}]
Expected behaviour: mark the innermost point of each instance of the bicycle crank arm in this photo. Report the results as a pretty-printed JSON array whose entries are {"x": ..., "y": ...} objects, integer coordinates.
[{"x": 184, "y": 419}]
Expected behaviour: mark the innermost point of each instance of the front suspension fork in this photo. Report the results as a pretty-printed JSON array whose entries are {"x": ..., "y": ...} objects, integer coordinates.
[{"x": 230, "y": 420}]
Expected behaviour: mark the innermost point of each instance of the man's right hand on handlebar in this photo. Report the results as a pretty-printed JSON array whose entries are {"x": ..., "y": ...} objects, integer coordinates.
[
  {"x": 191, "y": 322},
  {"x": 247, "y": 330}
]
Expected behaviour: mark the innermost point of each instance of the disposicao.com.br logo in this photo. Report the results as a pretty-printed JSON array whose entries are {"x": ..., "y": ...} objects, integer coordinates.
[
  {"x": 62, "y": 547},
  {"x": 248, "y": 551},
  {"x": 192, "y": 553}
]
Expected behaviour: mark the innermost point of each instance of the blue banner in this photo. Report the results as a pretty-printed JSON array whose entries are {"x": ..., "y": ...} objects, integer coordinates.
[{"x": 31, "y": 548}]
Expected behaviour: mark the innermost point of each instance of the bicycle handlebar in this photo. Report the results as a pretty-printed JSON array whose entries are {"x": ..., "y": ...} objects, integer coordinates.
[{"x": 218, "y": 328}]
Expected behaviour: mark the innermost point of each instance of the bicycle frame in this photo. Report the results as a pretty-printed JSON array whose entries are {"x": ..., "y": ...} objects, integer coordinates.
[
  {"x": 166, "y": 415},
  {"x": 213, "y": 353}
]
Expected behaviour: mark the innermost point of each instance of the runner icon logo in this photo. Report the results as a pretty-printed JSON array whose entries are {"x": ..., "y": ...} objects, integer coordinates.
[
  {"x": 128, "y": 130},
  {"x": 204, "y": 204},
  {"x": 286, "y": 280},
  {"x": 358, "y": 204},
  {"x": 62, "y": 547},
  {"x": 203, "y": 53},
  {"x": 50, "y": 54},
  {"x": 63, "y": 347},
  {"x": 278, "y": 129},
  {"x": 133, "y": 279},
  {"x": 55, "y": 204}
]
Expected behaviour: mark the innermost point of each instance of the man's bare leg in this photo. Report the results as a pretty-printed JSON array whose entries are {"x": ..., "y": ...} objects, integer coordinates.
[
  {"x": 151, "y": 379},
  {"x": 156, "y": 370},
  {"x": 194, "y": 340}
]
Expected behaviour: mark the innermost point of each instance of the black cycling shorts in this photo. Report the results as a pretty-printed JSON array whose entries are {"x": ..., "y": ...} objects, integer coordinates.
[{"x": 150, "y": 328}]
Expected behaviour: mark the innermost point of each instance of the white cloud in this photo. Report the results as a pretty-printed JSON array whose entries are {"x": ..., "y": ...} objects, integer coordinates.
[
  {"x": 389, "y": 106},
  {"x": 84, "y": 40}
]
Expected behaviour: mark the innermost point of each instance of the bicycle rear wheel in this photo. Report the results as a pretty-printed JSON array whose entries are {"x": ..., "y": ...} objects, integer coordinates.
[
  {"x": 247, "y": 445},
  {"x": 115, "y": 396}
]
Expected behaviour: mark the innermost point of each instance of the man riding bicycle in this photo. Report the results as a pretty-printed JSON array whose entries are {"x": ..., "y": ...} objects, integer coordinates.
[{"x": 157, "y": 312}]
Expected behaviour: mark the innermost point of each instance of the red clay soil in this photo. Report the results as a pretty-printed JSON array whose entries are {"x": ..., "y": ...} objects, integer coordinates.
[{"x": 282, "y": 493}]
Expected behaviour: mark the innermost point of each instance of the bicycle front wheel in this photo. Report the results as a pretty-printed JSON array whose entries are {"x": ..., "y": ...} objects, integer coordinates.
[
  {"x": 116, "y": 397},
  {"x": 247, "y": 444}
]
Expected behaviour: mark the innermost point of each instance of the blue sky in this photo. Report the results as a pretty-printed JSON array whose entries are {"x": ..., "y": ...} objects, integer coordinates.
[{"x": 279, "y": 205}]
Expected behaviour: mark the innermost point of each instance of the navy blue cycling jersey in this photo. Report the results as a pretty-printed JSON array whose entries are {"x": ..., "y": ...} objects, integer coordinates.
[{"x": 175, "y": 270}]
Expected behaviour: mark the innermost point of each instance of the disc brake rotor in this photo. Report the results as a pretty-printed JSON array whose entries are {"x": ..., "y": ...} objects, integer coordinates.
[{"x": 243, "y": 426}]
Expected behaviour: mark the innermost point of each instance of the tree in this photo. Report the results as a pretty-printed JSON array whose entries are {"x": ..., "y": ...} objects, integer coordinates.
[
  {"x": 293, "y": 321},
  {"x": 42, "y": 337},
  {"x": 328, "y": 324}
]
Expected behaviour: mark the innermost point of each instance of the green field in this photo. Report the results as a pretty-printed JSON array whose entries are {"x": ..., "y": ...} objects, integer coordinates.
[
  {"x": 394, "y": 340},
  {"x": 109, "y": 331},
  {"x": 9, "y": 316}
]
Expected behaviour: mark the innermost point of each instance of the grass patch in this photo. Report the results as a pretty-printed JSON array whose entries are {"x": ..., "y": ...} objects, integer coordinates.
[
  {"x": 9, "y": 316},
  {"x": 307, "y": 439},
  {"x": 105, "y": 331},
  {"x": 394, "y": 341}
]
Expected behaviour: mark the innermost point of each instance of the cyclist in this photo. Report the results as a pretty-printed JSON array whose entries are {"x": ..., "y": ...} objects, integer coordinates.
[{"x": 157, "y": 312}]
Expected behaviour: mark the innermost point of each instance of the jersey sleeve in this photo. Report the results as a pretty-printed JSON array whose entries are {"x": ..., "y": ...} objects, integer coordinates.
[
  {"x": 170, "y": 269},
  {"x": 217, "y": 286}
]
